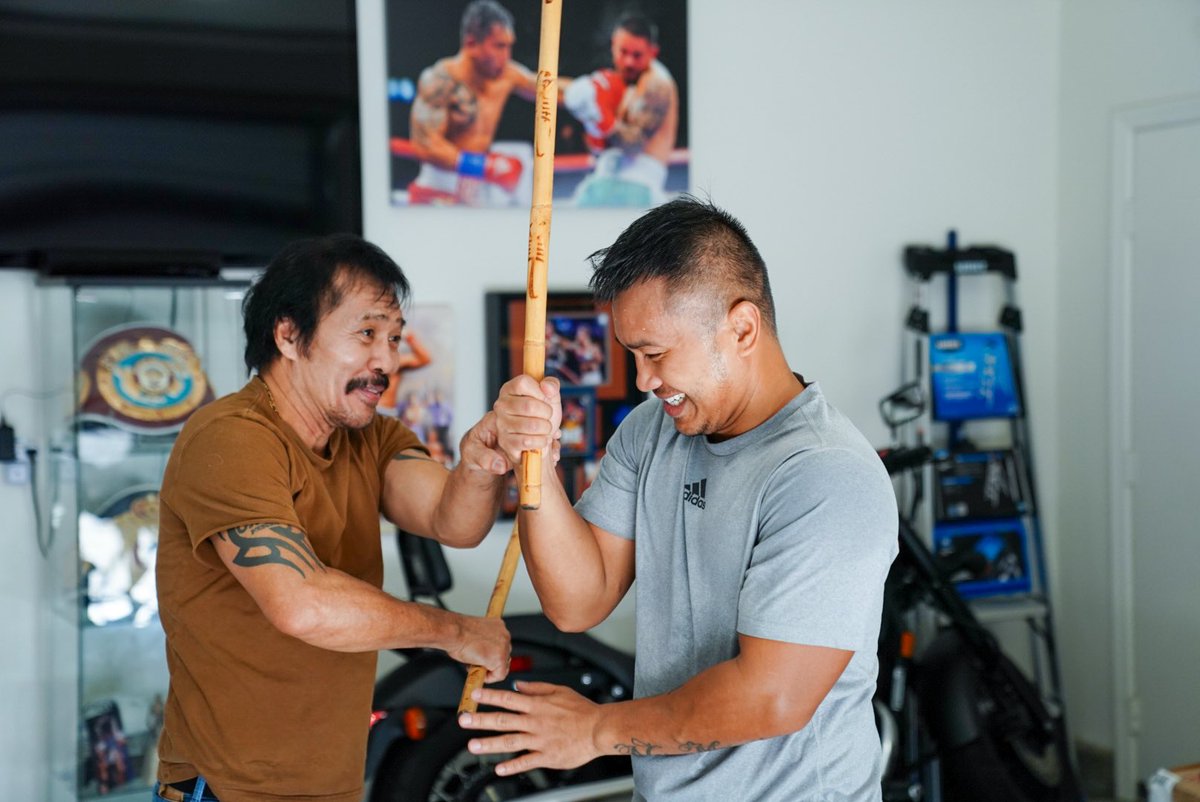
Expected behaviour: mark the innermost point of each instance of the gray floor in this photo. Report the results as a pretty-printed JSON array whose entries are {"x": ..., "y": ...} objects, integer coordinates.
[{"x": 1096, "y": 769}]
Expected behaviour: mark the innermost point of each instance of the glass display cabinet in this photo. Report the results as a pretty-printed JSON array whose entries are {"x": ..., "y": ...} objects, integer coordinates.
[{"x": 126, "y": 362}]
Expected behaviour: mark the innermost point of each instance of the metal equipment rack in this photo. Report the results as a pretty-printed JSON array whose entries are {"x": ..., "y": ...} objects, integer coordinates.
[{"x": 1001, "y": 417}]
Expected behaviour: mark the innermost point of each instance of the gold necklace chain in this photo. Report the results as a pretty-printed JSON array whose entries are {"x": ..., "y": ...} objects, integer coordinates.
[{"x": 270, "y": 395}]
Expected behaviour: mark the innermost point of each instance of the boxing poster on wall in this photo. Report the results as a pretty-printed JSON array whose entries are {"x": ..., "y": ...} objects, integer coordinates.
[
  {"x": 421, "y": 392},
  {"x": 461, "y": 85}
]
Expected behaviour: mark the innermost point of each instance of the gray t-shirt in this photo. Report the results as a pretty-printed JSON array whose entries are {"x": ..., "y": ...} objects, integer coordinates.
[{"x": 785, "y": 532}]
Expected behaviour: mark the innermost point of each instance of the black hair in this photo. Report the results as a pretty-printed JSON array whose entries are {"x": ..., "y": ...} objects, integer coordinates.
[
  {"x": 691, "y": 244},
  {"x": 479, "y": 17},
  {"x": 639, "y": 25},
  {"x": 307, "y": 279}
]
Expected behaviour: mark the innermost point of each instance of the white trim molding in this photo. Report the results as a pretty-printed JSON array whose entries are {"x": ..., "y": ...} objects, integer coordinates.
[{"x": 1128, "y": 124}]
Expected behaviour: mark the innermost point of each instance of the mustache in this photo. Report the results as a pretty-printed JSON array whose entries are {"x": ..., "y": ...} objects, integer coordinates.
[{"x": 378, "y": 380}]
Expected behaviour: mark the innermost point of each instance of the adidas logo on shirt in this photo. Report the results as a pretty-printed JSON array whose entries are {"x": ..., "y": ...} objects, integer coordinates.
[{"x": 693, "y": 492}]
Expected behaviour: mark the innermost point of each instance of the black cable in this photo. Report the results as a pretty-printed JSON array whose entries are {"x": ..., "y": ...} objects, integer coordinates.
[
  {"x": 905, "y": 405},
  {"x": 43, "y": 544},
  {"x": 918, "y": 494}
]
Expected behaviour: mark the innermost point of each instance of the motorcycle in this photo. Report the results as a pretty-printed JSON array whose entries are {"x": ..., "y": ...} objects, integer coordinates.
[
  {"x": 959, "y": 720},
  {"x": 416, "y": 752}
]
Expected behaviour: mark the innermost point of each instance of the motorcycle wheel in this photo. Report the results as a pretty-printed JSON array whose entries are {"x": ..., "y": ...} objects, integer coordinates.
[
  {"x": 1004, "y": 764},
  {"x": 440, "y": 769}
]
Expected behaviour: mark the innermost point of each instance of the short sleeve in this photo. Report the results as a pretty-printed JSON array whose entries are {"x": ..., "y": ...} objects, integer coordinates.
[
  {"x": 610, "y": 502},
  {"x": 393, "y": 438},
  {"x": 232, "y": 472},
  {"x": 827, "y": 537}
]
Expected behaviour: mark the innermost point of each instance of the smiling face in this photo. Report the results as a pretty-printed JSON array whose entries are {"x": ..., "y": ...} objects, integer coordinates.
[
  {"x": 355, "y": 349},
  {"x": 686, "y": 354}
]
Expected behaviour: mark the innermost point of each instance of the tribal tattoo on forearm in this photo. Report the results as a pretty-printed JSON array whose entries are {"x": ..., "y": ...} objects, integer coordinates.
[{"x": 273, "y": 544}]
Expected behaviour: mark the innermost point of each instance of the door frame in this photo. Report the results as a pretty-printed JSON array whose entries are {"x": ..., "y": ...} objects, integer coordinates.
[{"x": 1128, "y": 124}]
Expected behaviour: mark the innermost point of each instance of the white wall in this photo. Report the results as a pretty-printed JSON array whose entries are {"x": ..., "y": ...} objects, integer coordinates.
[
  {"x": 24, "y": 663},
  {"x": 1114, "y": 54},
  {"x": 838, "y": 133}
]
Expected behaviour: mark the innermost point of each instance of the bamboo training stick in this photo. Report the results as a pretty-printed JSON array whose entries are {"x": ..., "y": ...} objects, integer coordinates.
[
  {"x": 534, "y": 353},
  {"x": 495, "y": 609}
]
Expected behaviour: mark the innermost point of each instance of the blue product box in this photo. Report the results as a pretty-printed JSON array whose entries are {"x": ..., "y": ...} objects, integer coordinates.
[
  {"x": 972, "y": 376},
  {"x": 1002, "y": 544}
]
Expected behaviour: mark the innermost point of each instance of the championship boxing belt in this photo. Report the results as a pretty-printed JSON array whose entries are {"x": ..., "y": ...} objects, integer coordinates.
[{"x": 141, "y": 377}]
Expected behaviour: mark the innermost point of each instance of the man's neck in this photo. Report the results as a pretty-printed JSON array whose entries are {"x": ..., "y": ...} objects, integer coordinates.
[
  {"x": 773, "y": 385},
  {"x": 290, "y": 405}
]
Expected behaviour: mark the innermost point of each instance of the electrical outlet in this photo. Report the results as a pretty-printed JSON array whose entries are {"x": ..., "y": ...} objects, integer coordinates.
[{"x": 16, "y": 473}]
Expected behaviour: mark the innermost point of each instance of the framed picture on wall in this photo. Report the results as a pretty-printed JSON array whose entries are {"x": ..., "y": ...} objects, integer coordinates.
[
  {"x": 421, "y": 393},
  {"x": 578, "y": 422},
  {"x": 599, "y": 384},
  {"x": 622, "y": 134},
  {"x": 109, "y": 762},
  {"x": 581, "y": 347}
]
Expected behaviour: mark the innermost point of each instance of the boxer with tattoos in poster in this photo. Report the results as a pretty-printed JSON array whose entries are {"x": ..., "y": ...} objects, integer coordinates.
[
  {"x": 457, "y": 108},
  {"x": 269, "y": 558},
  {"x": 631, "y": 115}
]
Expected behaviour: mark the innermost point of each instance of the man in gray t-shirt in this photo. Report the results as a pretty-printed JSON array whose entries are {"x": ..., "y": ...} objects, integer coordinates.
[{"x": 758, "y": 521}]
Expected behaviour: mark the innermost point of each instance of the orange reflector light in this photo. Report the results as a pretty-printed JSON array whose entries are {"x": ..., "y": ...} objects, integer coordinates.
[
  {"x": 415, "y": 723},
  {"x": 520, "y": 662},
  {"x": 376, "y": 717},
  {"x": 908, "y": 644}
]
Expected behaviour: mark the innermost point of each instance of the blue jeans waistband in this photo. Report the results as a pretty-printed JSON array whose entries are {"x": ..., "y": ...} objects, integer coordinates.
[{"x": 194, "y": 790}]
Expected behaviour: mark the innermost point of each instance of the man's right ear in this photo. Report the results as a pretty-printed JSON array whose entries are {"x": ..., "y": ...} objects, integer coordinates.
[{"x": 287, "y": 338}]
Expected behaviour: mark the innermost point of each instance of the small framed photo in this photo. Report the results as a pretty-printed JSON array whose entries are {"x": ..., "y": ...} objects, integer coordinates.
[
  {"x": 109, "y": 763},
  {"x": 421, "y": 391},
  {"x": 581, "y": 347},
  {"x": 596, "y": 374},
  {"x": 578, "y": 422}
]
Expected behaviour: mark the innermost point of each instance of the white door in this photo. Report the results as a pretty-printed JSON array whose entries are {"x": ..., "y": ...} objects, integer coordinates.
[{"x": 1162, "y": 408}]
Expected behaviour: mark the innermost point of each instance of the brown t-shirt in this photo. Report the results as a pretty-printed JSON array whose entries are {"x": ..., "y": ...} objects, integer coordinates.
[{"x": 264, "y": 716}]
